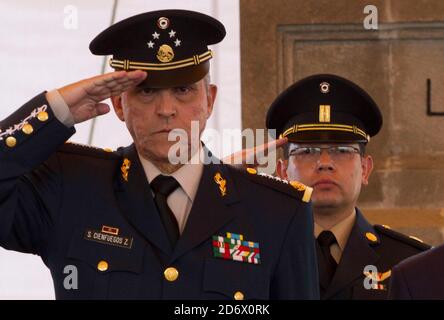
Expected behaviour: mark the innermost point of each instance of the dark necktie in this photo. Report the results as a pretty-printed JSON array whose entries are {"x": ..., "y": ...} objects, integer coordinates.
[
  {"x": 325, "y": 240},
  {"x": 163, "y": 186}
]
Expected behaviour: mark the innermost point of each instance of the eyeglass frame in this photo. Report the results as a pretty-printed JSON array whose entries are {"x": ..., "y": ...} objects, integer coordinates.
[{"x": 357, "y": 150}]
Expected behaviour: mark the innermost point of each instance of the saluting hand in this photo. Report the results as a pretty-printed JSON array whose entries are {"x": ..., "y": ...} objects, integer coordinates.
[
  {"x": 84, "y": 97},
  {"x": 249, "y": 157}
]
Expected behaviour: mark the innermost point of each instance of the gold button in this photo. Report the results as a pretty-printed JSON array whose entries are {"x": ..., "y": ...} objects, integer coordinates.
[
  {"x": 43, "y": 116},
  {"x": 27, "y": 129},
  {"x": 102, "y": 265},
  {"x": 251, "y": 170},
  {"x": 11, "y": 142},
  {"x": 108, "y": 150},
  {"x": 171, "y": 274},
  {"x": 386, "y": 226},
  {"x": 239, "y": 296},
  {"x": 370, "y": 236}
]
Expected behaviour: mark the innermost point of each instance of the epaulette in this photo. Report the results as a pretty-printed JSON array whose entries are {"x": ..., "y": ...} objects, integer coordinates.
[
  {"x": 83, "y": 149},
  {"x": 292, "y": 188},
  {"x": 410, "y": 240}
]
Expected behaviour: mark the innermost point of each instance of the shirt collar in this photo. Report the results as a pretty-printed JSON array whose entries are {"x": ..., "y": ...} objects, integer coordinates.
[
  {"x": 188, "y": 175},
  {"x": 341, "y": 230}
]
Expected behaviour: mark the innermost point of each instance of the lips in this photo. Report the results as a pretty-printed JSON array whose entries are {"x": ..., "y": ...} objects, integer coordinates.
[
  {"x": 163, "y": 131},
  {"x": 324, "y": 183}
]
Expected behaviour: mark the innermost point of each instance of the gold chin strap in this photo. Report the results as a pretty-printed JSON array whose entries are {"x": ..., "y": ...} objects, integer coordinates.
[
  {"x": 134, "y": 65},
  {"x": 322, "y": 127}
]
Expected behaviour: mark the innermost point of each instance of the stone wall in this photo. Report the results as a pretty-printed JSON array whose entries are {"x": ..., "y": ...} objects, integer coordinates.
[{"x": 401, "y": 65}]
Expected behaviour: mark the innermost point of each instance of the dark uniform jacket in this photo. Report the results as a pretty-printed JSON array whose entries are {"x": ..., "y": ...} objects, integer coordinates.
[
  {"x": 92, "y": 211},
  {"x": 419, "y": 277},
  {"x": 368, "y": 245}
]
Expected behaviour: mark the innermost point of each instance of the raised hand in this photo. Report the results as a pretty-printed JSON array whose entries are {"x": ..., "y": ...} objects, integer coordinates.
[
  {"x": 249, "y": 157},
  {"x": 84, "y": 97}
]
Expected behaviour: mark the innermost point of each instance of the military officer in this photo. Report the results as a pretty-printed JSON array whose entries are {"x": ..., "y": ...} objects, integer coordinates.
[
  {"x": 419, "y": 277},
  {"x": 133, "y": 223},
  {"x": 328, "y": 121}
]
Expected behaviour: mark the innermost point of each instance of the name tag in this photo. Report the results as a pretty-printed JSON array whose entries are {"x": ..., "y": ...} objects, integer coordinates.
[{"x": 109, "y": 238}]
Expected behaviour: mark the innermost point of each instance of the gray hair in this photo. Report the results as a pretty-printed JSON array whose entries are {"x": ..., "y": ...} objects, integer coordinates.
[{"x": 207, "y": 81}]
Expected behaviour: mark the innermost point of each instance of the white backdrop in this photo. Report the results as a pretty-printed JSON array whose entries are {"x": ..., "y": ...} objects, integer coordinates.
[{"x": 40, "y": 50}]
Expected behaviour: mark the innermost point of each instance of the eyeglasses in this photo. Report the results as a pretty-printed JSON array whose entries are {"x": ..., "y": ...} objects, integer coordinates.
[{"x": 312, "y": 154}]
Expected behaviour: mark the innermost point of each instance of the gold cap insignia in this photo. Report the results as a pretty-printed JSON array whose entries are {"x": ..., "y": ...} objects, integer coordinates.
[
  {"x": 165, "y": 53},
  {"x": 324, "y": 113},
  {"x": 325, "y": 87},
  {"x": 221, "y": 182},
  {"x": 163, "y": 23}
]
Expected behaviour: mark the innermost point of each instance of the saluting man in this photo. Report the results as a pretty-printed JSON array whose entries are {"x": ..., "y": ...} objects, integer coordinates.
[
  {"x": 328, "y": 121},
  {"x": 133, "y": 223}
]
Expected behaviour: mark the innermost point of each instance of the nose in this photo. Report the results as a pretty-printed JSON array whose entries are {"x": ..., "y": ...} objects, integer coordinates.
[
  {"x": 325, "y": 162},
  {"x": 166, "y": 105}
]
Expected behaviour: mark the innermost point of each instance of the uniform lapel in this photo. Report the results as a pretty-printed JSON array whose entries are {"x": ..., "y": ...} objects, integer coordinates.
[
  {"x": 357, "y": 254},
  {"x": 135, "y": 200},
  {"x": 211, "y": 209}
]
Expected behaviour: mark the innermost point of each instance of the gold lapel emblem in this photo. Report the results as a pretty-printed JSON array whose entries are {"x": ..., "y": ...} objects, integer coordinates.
[
  {"x": 125, "y": 168},
  {"x": 324, "y": 113},
  {"x": 384, "y": 275},
  {"x": 221, "y": 182},
  {"x": 377, "y": 278}
]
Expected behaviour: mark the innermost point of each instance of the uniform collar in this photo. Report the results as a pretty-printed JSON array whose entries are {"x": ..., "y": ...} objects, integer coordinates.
[
  {"x": 358, "y": 253},
  {"x": 188, "y": 176},
  {"x": 341, "y": 230}
]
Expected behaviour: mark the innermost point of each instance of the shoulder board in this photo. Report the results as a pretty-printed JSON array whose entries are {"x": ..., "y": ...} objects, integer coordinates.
[
  {"x": 292, "y": 188},
  {"x": 83, "y": 149},
  {"x": 410, "y": 240}
]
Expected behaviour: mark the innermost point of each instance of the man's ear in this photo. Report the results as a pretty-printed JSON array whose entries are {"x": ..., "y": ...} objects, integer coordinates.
[
  {"x": 281, "y": 169},
  {"x": 367, "y": 168},
  {"x": 118, "y": 108},
  {"x": 211, "y": 98}
]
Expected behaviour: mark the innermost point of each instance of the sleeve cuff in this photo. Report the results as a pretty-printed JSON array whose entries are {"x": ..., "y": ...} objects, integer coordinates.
[{"x": 60, "y": 108}]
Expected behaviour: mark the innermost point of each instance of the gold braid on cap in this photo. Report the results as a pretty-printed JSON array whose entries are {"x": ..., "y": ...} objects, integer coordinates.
[
  {"x": 321, "y": 127},
  {"x": 134, "y": 65}
]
